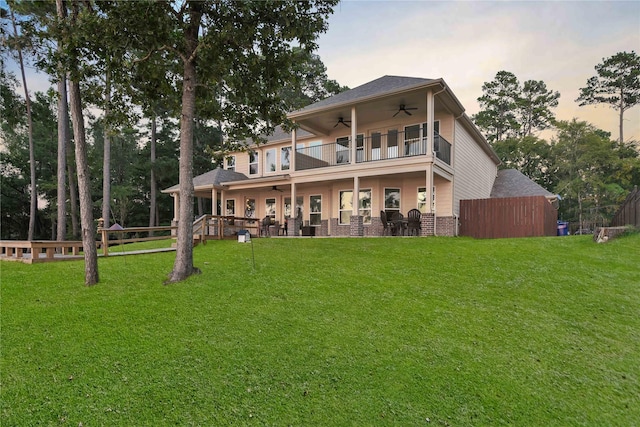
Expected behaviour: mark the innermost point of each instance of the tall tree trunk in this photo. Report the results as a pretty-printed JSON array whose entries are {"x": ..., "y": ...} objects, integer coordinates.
[
  {"x": 153, "y": 185},
  {"x": 84, "y": 181},
  {"x": 622, "y": 108},
  {"x": 183, "y": 265},
  {"x": 73, "y": 190},
  {"x": 106, "y": 161},
  {"x": 84, "y": 185},
  {"x": 63, "y": 137},
  {"x": 32, "y": 159}
]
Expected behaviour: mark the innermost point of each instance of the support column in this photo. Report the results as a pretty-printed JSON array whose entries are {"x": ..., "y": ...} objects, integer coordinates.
[
  {"x": 214, "y": 201},
  {"x": 430, "y": 120},
  {"x": 356, "y": 228},
  {"x": 176, "y": 211},
  {"x": 294, "y": 142},
  {"x": 293, "y": 226},
  {"x": 354, "y": 134}
]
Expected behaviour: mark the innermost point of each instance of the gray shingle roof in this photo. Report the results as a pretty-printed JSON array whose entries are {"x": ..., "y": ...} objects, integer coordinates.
[
  {"x": 379, "y": 86},
  {"x": 513, "y": 183},
  {"x": 213, "y": 177}
]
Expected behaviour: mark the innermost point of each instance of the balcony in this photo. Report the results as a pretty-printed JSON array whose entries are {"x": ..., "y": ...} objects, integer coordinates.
[{"x": 376, "y": 147}]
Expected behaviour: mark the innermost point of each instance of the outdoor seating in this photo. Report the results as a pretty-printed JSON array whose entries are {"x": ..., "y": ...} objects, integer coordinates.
[
  {"x": 398, "y": 224},
  {"x": 264, "y": 227},
  {"x": 386, "y": 230},
  {"x": 413, "y": 222}
]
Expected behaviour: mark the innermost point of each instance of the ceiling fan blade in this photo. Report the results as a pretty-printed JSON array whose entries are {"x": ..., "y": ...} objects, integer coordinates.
[
  {"x": 408, "y": 113},
  {"x": 397, "y": 112},
  {"x": 336, "y": 125},
  {"x": 411, "y": 108},
  {"x": 346, "y": 124}
]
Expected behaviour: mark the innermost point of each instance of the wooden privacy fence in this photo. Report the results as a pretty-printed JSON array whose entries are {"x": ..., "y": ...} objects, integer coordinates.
[
  {"x": 629, "y": 212},
  {"x": 508, "y": 217}
]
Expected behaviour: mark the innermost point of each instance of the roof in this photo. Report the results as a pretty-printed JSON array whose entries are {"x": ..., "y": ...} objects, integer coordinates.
[
  {"x": 385, "y": 84},
  {"x": 513, "y": 183},
  {"x": 213, "y": 178}
]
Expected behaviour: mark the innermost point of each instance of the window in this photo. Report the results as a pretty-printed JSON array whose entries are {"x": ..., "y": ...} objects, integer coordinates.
[
  {"x": 346, "y": 206},
  {"x": 422, "y": 199},
  {"x": 270, "y": 209},
  {"x": 376, "y": 138},
  {"x": 285, "y": 158},
  {"x": 364, "y": 208},
  {"x": 299, "y": 207},
  {"x": 412, "y": 143},
  {"x": 315, "y": 210},
  {"x": 360, "y": 148},
  {"x": 391, "y": 201},
  {"x": 270, "y": 160},
  {"x": 253, "y": 162},
  {"x": 392, "y": 144},
  {"x": 250, "y": 208},
  {"x": 231, "y": 163},
  {"x": 231, "y": 207},
  {"x": 342, "y": 150}
]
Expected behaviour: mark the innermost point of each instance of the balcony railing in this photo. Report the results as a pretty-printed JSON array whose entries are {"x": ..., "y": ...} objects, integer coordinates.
[{"x": 372, "y": 148}]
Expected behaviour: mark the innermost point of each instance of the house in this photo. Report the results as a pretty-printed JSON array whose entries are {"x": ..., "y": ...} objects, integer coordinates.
[{"x": 397, "y": 143}]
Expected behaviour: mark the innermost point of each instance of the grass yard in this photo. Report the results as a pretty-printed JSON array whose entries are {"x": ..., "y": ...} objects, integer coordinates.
[{"x": 330, "y": 332}]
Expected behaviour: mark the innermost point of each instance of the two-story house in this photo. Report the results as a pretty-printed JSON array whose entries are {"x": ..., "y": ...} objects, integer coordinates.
[{"x": 393, "y": 144}]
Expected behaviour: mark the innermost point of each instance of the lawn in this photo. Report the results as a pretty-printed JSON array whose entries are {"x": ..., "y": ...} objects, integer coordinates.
[{"x": 330, "y": 332}]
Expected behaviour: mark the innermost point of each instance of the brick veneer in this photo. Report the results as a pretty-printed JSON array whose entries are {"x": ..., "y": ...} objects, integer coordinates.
[
  {"x": 445, "y": 226},
  {"x": 293, "y": 227},
  {"x": 323, "y": 230},
  {"x": 337, "y": 229},
  {"x": 426, "y": 224},
  {"x": 356, "y": 226}
]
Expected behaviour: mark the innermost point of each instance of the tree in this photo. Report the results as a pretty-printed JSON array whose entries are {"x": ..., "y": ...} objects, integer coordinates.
[
  {"x": 236, "y": 55},
  {"x": 617, "y": 83},
  {"x": 511, "y": 110},
  {"x": 63, "y": 137},
  {"x": 32, "y": 160}
]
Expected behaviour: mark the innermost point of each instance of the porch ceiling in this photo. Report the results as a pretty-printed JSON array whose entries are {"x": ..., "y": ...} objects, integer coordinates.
[{"x": 378, "y": 110}]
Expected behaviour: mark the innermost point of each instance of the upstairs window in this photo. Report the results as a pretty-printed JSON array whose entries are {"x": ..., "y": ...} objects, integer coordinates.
[
  {"x": 253, "y": 162},
  {"x": 285, "y": 158},
  {"x": 270, "y": 160},
  {"x": 231, "y": 163}
]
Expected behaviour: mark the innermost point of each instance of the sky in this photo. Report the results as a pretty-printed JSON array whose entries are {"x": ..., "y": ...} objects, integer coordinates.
[{"x": 467, "y": 43}]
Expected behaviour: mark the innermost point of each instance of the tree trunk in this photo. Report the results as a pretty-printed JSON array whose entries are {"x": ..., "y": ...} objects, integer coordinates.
[
  {"x": 106, "y": 160},
  {"x": 32, "y": 159},
  {"x": 183, "y": 265},
  {"x": 153, "y": 185},
  {"x": 73, "y": 190},
  {"x": 63, "y": 137},
  {"x": 84, "y": 185},
  {"x": 621, "y": 140}
]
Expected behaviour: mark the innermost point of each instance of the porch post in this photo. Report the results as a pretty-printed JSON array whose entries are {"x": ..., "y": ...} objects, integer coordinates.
[
  {"x": 356, "y": 227},
  {"x": 176, "y": 210},
  {"x": 430, "y": 119},
  {"x": 214, "y": 201},
  {"x": 427, "y": 219},
  {"x": 294, "y": 141},
  {"x": 354, "y": 133},
  {"x": 293, "y": 226}
]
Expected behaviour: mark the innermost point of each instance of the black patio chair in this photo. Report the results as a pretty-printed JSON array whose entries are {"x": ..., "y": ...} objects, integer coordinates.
[
  {"x": 386, "y": 228},
  {"x": 413, "y": 222},
  {"x": 398, "y": 224},
  {"x": 264, "y": 227}
]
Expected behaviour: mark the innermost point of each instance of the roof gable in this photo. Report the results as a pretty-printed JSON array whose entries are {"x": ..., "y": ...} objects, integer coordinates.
[
  {"x": 513, "y": 183},
  {"x": 212, "y": 178},
  {"x": 380, "y": 86}
]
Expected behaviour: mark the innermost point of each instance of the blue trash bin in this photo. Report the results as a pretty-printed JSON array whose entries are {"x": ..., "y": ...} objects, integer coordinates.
[{"x": 563, "y": 228}]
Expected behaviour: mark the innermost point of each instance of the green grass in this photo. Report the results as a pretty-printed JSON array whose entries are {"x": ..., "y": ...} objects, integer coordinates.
[{"x": 330, "y": 332}]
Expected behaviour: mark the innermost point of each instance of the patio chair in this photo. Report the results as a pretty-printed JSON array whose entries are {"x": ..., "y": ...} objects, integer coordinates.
[
  {"x": 398, "y": 224},
  {"x": 413, "y": 222},
  {"x": 264, "y": 227},
  {"x": 386, "y": 228}
]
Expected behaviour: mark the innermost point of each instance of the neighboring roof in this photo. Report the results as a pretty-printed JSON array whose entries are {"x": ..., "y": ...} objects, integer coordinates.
[
  {"x": 385, "y": 84},
  {"x": 513, "y": 183},
  {"x": 213, "y": 178}
]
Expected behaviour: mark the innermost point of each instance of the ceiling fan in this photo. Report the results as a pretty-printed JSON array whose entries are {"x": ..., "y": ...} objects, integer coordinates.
[
  {"x": 405, "y": 109},
  {"x": 341, "y": 120},
  {"x": 275, "y": 188}
]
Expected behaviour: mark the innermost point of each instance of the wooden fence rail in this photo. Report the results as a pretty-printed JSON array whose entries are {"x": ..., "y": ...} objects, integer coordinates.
[
  {"x": 508, "y": 217},
  {"x": 629, "y": 212}
]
